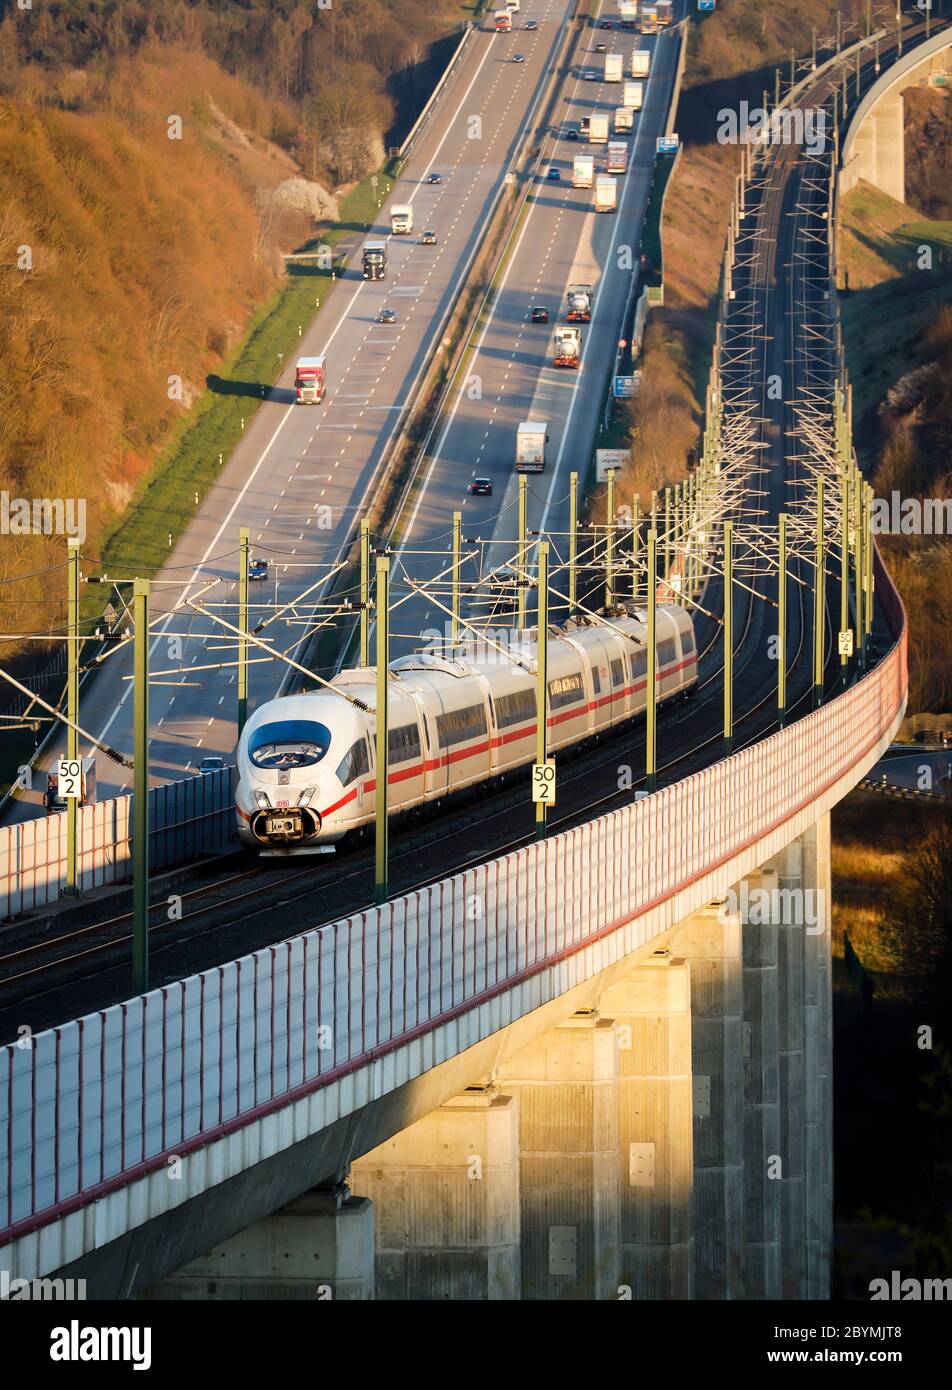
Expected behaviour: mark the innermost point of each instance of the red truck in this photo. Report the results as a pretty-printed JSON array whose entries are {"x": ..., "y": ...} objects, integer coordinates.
[{"x": 309, "y": 381}]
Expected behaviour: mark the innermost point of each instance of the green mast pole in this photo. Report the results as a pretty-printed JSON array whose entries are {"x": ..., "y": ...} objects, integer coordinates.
[
  {"x": 382, "y": 846},
  {"x": 72, "y": 710},
  {"x": 844, "y": 567},
  {"x": 651, "y": 700},
  {"x": 521, "y": 565},
  {"x": 635, "y": 540},
  {"x": 542, "y": 675},
  {"x": 728, "y": 634},
  {"x": 364, "y": 592},
  {"x": 573, "y": 542},
  {"x": 140, "y": 786},
  {"x": 457, "y": 550},
  {"x": 819, "y": 594},
  {"x": 610, "y": 539},
  {"x": 782, "y": 624},
  {"x": 244, "y": 557}
]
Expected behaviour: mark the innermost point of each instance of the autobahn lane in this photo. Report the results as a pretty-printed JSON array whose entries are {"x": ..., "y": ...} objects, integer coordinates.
[
  {"x": 301, "y": 476},
  {"x": 510, "y": 376}
]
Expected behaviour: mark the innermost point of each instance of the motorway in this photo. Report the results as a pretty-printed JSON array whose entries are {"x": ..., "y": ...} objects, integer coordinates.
[
  {"x": 561, "y": 240},
  {"x": 301, "y": 476}
]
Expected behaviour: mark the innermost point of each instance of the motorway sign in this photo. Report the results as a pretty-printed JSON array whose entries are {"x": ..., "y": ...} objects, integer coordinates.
[
  {"x": 609, "y": 458},
  {"x": 846, "y": 642},
  {"x": 706, "y": 4},
  {"x": 543, "y": 782},
  {"x": 666, "y": 144},
  {"x": 623, "y": 388},
  {"x": 69, "y": 778}
]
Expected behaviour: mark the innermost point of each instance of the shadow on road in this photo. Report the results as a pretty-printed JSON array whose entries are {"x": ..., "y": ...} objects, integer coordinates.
[{"x": 259, "y": 390}]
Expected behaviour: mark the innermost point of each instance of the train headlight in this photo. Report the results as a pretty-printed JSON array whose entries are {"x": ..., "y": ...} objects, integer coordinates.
[
  {"x": 305, "y": 798},
  {"x": 263, "y": 802}
]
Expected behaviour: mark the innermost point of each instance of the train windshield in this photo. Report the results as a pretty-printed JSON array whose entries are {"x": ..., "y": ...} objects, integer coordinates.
[{"x": 290, "y": 743}]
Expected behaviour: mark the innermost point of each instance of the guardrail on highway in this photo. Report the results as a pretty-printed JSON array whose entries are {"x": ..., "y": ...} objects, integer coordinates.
[
  {"x": 418, "y": 124},
  {"x": 186, "y": 819},
  {"x": 91, "y": 1106}
]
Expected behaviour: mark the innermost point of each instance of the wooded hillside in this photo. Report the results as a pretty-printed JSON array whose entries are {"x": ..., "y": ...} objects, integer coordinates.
[{"x": 130, "y": 262}]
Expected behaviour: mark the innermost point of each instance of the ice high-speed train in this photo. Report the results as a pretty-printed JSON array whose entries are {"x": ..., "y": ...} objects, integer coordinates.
[{"x": 305, "y": 773}]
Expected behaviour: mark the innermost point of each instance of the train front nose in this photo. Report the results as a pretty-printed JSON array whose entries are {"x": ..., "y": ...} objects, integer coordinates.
[{"x": 285, "y": 825}]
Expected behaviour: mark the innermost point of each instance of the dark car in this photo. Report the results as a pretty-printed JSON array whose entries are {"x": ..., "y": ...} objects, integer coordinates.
[
  {"x": 257, "y": 569},
  {"x": 553, "y": 174},
  {"x": 386, "y": 316},
  {"x": 211, "y": 764},
  {"x": 518, "y": 58},
  {"x": 428, "y": 239},
  {"x": 481, "y": 487},
  {"x": 601, "y": 48},
  {"x": 571, "y": 132},
  {"x": 539, "y": 314},
  {"x": 532, "y": 24},
  {"x": 605, "y": 24},
  {"x": 435, "y": 178}
]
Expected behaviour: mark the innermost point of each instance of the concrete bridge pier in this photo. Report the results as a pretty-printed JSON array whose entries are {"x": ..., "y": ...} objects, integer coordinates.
[
  {"x": 566, "y": 1084},
  {"x": 710, "y": 940},
  {"x": 652, "y": 1013},
  {"x": 318, "y": 1247},
  {"x": 761, "y": 1047},
  {"x": 879, "y": 150},
  {"x": 791, "y": 939},
  {"x": 818, "y": 1061},
  {"x": 445, "y": 1194}
]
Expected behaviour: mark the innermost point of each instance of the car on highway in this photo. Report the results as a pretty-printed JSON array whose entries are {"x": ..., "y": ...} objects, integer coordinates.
[
  {"x": 571, "y": 132},
  {"x": 257, "y": 569},
  {"x": 386, "y": 316},
  {"x": 435, "y": 178},
  {"x": 428, "y": 238},
  {"x": 601, "y": 48},
  {"x": 518, "y": 58},
  {"x": 539, "y": 314},
  {"x": 211, "y": 764},
  {"x": 481, "y": 487},
  {"x": 532, "y": 24},
  {"x": 553, "y": 174},
  {"x": 590, "y": 75},
  {"x": 605, "y": 24}
]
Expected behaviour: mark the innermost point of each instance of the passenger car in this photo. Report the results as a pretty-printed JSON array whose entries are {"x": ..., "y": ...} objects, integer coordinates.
[
  {"x": 386, "y": 316},
  {"x": 257, "y": 569},
  {"x": 539, "y": 314},
  {"x": 481, "y": 487},
  {"x": 428, "y": 238},
  {"x": 211, "y": 764}
]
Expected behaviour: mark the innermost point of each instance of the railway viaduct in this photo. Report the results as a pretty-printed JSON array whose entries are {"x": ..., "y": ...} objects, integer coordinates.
[{"x": 597, "y": 1067}]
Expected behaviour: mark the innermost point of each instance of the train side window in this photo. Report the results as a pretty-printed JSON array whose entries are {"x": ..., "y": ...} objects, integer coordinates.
[
  {"x": 596, "y": 681},
  {"x": 565, "y": 690},
  {"x": 618, "y": 672},
  {"x": 667, "y": 651},
  {"x": 355, "y": 763},
  {"x": 403, "y": 743},
  {"x": 461, "y": 724},
  {"x": 639, "y": 663},
  {"x": 518, "y": 707}
]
